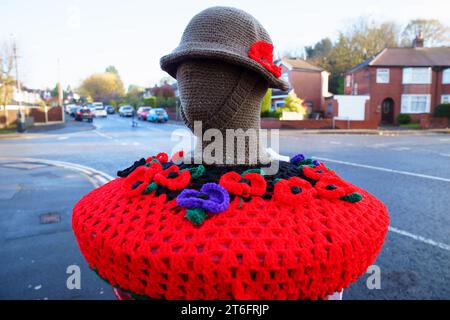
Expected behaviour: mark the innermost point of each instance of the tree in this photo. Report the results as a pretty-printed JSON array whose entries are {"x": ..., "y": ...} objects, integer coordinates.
[
  {"x": 7, "y": 81},
  {"x": 320, "y": 50},
  {"x": 266, "y": 102},
  {"x": 102, "y": 87},
  {"x": 112, "y": 69},
  {"x": 134, "y": 95},
  {"x": 433, "y": 31},
  {"x": 361, "y": 40}
]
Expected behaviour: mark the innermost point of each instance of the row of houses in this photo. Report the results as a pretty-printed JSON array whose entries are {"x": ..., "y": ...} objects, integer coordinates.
[{"x": 395, "y": 81}]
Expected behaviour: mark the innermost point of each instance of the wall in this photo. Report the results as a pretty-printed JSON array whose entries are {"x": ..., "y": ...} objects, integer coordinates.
[
  {"x": 54, "y": 114},
  {"x": 308, "y": 86}
]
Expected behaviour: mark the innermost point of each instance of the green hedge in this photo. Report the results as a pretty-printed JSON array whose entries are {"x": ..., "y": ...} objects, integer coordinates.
[
  {"x": 442, "y": 110},
  {"x": 403, "y": 118}
]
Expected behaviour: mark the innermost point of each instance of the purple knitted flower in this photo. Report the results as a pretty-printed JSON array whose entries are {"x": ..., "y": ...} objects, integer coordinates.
[
  {"x": 316, "y": 162},
  {"x": 212, "y": 198},
  {"x": 297, "y": 158}
]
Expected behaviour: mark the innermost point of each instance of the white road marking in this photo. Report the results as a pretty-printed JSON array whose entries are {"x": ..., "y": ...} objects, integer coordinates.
[
  {"x": 401, "y": 149},
  {"x": 104, "y": 135},
  {"x": 63, "y": 138},
  {"x": 418, "y": 175},
  {"x": 335, "y": 142},
  {"x": 96, "y": 177},
  {"x": 444, "y": 154},
  {"x": 420, "y": 238}
]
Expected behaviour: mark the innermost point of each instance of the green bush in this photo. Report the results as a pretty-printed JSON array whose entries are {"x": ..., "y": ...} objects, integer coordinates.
[
  {"x": 270, "y": 114},
  {"x": 403, "y": 118},
  {"x": 442, "y": 110}
]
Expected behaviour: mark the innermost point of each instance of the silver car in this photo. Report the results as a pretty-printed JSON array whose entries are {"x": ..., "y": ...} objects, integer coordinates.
[{"x": 126, "y": 111}]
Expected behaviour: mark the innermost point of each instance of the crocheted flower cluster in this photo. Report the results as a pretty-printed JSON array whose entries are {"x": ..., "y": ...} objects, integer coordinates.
[
  {"x": 262, "y": 52},
  {"x": 314, "y": 179}
]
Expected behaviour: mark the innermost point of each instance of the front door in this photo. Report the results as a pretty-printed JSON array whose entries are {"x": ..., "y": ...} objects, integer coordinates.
[{"x": 387, "y": 111}]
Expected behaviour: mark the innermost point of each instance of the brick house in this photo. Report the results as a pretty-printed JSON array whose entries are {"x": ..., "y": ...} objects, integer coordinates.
[
  {"x": 308, "y": 81},
  {"x": 402, "y": 81}
]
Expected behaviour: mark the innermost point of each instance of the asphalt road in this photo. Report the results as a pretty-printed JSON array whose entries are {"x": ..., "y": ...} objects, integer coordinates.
[{"x": 410, "y": 173}]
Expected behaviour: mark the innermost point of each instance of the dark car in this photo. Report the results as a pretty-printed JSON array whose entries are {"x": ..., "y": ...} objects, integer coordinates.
[
  {"x": 84, "y": 114},
  {"x": 110, "y": 109}
]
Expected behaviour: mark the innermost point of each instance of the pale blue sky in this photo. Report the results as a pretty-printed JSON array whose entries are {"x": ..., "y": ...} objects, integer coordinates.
[{"x": 132, "y": 35}]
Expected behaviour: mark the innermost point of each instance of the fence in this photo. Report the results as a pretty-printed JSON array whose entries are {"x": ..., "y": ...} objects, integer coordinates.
[{"x": 35, "y": 115}]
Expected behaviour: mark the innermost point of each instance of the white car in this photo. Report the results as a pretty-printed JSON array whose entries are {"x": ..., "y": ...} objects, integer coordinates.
[{"x": 99, "y": 111}]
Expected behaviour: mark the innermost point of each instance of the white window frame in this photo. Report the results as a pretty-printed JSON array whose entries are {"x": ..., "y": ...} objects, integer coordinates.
[
  {"x": 417, "y": 75},
  {"x": 383, "y": 75},
  {"x": 446, "y": 76},
  {"x": 445, "y": 98},
  {"x": 408, "y": 105}
]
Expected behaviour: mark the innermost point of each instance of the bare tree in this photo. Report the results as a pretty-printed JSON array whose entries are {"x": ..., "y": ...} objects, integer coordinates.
[
  {"x": 7, "y": 81},
  {"x": 433, "y": 31}
]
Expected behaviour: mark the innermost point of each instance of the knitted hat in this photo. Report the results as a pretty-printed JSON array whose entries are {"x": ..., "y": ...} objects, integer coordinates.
[
  {"x": 170, "y": 229},
  {"x": 230, "y": 35}
]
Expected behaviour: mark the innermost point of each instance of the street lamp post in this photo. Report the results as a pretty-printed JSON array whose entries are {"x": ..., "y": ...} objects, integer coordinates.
[{"x": 21, "y": 112}]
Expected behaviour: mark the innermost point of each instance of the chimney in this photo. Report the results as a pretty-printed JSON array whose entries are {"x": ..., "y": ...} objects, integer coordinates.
[{"x": 418, "y": 41}]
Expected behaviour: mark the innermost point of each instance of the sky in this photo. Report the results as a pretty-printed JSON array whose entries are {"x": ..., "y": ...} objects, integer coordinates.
[{"x": 87, "y": 36}]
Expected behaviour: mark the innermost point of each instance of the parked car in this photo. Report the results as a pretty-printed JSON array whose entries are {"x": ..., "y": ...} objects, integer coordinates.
[
  {"x": 110, "y": 110},
  {"x": 84, "y": 113},
  {"x": 68, "y": 107},
  {"x": 142, "y": 112},
  {"x": 99, "y": 111},
  {"x": 73, "y": 110},
  {"x": 126, "y": 111},
  {"x": 157, "y": 115}
]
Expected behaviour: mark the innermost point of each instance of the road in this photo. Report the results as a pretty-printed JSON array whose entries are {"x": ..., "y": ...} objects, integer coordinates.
[{"x": 409, "y": 173}]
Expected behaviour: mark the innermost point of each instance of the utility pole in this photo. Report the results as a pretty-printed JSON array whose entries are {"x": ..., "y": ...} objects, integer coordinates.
[
  {"x": 60, "y": 92},
  {"x": 21, "y": 112}
]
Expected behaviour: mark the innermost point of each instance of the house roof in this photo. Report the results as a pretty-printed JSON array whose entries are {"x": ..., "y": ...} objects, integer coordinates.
[
  {"x": 414, "y": 57},
  {"x": 300, "y": 64},
  {"x": 408, "y": 57}
]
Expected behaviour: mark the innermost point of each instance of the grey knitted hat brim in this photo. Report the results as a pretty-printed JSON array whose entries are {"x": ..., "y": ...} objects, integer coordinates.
[
  {"x": 225, "y": 34},
  {"x": 170, "y": 62}
]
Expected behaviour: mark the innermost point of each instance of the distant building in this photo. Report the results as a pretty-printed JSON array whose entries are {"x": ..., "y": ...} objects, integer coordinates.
[
  {"x": 309, "y": 82},
  {"x": 402, "y": 81}
]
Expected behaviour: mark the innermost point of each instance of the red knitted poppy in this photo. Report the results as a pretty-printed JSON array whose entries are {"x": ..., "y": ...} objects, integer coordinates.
[
  {"x": 250, "y": 184},
  {"x": 256, "y": 249},
  {"x": 293, "y": 191},
  {"x": 317, "y": 172},
  {"x": 178, "y": 181}
]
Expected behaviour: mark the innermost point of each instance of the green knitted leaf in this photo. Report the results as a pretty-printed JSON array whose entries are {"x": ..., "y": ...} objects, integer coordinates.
[
  {"x": 196, "y": 172},
  {"x": 196, "y": 215},
  {"x": 150, "y": 162},
  {"x": 150, "y": 188},
  {"x": 352, "y": 198},
  {"x": 260, "y": 171}
]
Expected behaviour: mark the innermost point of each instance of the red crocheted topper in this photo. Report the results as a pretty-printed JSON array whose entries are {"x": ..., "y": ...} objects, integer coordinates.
[{"x": 262, "y": 52}]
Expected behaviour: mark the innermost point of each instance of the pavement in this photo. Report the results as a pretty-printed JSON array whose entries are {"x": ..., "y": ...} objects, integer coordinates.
[
  {"x": 410, "y": 173},
  {"x": 37, "y": 242}
]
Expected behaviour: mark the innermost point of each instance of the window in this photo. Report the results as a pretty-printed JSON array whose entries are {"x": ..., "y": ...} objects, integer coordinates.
[
  {"x": 415, "y": 103},
  {"x": 382, "y": 75},
  {"x": 445, "y": 98},
  {"x": 446, "y": 76},
  {"x": 416, "y": 75}
]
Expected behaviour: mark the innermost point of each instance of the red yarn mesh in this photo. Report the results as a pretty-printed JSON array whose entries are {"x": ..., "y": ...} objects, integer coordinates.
[{"x": 262, "y": 250}]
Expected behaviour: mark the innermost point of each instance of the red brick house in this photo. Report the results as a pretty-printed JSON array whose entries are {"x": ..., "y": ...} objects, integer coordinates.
[
  {"x": 402, "y": 81},
  {"x": 308, "y": 81}
]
